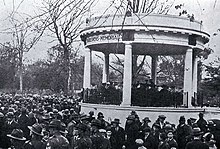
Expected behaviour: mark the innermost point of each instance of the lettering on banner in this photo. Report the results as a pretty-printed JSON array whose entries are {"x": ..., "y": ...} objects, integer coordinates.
[{"x": 100, "y": 38}]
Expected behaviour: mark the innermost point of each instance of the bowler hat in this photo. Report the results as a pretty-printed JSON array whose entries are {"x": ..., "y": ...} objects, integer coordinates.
[
  {"x": 146, "y": 119},
  {"x": 197, "y": 131},
  {"x": 17, "y": 134},
  {"x": 36, "y": 129},
  {"x": 116, "y": 120},
  {"x": 168, "y": 127}
]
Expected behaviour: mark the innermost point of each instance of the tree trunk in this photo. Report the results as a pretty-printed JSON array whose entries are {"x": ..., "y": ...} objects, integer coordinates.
[
  {"x": 21, "y": 73},
  {"x": 67, "y": 71},
  {"x": 69, "y": 79}
]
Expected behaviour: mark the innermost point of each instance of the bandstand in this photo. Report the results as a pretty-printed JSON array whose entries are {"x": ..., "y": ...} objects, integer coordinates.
[{"x": 142, "y": 34}]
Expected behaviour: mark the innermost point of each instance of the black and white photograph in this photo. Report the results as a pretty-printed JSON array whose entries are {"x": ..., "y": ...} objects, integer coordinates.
[{"x": 109, "y": 74}]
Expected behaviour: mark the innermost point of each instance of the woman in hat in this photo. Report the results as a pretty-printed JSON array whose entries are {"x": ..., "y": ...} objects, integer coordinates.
[
  {"x": 36, "y": 138},
  {"x": 17, "y": 139}
]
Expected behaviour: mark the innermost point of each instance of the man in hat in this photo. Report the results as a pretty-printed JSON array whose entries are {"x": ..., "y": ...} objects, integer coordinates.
[
  {"x": 161, "y": 122},
  {"x": 171, "y": 141},
  {"x": 23, "y": 121},
  {"x": 211, "y": 128},
  {"x": 104, "y": 123},
  {"x": 156, "y": 132},
  {"x": 84, "y": 141},
  {"x": 149, "y": 139},
  {"x": 118, "y": 134},
  {"x": 131, "y": 131},
  {"x": 56, "y": 141},
  {"x": 91, "y": 116},
  {"x": 2, "y": 122},
  {"x": 145, "y": 123},
  {"x": 10, "y": 122},
  {"x": 196, "y": 143},
  {"x": 202, "y": 122},
  {"x": 183, "y": 132},
  {"x": 71, "y": 127},
  {"x": 36, "y": 138},
  {"x": 9, "y": 125},
  {"x": 163, "y": 141},
  {"x": 96, "y": 135},
  {"x": 17, "y": 139},
  {"x": 105, "y": 142}
]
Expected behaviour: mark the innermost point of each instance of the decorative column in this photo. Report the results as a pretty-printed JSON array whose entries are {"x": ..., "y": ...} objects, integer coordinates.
[
  {"x": 127, "y": 78},
  {"x": 187, "y": 95},
  {"x": 195, "y": 78},
  {"x": 87, "y": 69},
  {"x": 105, "y": 74},
  {"x": 154, "y": 69}
]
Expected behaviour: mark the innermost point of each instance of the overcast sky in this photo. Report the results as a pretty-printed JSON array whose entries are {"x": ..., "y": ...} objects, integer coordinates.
[{"x": 206, "y": 10}]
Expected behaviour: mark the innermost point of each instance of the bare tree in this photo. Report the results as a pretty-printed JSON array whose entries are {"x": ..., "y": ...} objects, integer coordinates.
[
  {"x": 64, "y": 19},
  {"x": 25, "y": 32}
]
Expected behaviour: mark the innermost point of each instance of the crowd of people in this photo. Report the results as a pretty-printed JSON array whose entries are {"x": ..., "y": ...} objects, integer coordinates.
[
  {"x": 151, "y": 95},
  {"x": 58, "y": 123},
  {"x": 107, "y": 93},
  {"x": 143, "y": 94}
]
